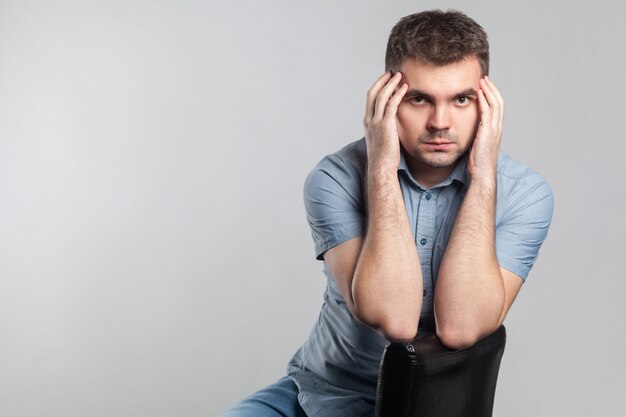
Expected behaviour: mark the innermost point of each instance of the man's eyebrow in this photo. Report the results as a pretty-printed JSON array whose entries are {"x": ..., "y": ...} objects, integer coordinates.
[
  {"x": 471, "y": 92},
  {"x": 414, "y": 92},
  {"x": 467, "y": 92}
]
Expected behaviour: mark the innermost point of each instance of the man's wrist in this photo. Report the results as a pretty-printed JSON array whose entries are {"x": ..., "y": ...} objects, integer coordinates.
[
  {"x": 486, "y": 182},
  {"x": 382, "y": 172}
]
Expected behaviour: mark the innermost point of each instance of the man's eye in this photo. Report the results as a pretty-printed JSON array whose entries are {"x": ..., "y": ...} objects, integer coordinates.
[
  {"x": 462, "y": 100},
  {"x": 417, "y": 99}
]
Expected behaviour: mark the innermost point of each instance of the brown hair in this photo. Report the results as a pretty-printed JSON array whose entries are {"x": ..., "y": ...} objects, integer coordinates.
[{"x": 438, "y": 38}]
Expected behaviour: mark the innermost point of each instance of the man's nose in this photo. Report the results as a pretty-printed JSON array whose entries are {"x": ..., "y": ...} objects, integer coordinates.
[{"x": 439, "y": 118}]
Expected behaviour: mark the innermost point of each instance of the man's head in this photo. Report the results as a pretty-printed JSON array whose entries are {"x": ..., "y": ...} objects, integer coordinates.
[
  {"x": 437, "y": 37},
  {"x": 442, "y": 57}
]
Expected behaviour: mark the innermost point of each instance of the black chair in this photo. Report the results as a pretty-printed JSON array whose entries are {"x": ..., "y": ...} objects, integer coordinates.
[{"x": 423, "y": 378}]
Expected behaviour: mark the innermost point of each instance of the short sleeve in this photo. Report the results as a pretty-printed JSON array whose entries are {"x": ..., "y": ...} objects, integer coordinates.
[
  {"x": 524, "y": 228},
  {"x": 333, "y": 196}
]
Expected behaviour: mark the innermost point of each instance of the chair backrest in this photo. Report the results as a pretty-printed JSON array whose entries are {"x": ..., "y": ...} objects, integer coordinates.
[{"x": 423, "y": 378}]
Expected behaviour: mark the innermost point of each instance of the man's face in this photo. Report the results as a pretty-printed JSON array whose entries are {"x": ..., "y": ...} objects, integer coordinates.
[{"x": 438, "y": 116}]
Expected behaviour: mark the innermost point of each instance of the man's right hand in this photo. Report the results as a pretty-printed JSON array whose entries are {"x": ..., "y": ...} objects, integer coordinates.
[{"x": 381, "y": 125}]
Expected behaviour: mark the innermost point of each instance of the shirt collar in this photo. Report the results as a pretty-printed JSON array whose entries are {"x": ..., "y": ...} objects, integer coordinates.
[{"x": 459, "y": 173}]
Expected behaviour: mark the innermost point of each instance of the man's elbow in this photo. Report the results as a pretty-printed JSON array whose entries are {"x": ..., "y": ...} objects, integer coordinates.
[
  {"x": 392, "y": 328},
  {"x": 456, "y": 338},
  {"x": 400, "y": 331}
]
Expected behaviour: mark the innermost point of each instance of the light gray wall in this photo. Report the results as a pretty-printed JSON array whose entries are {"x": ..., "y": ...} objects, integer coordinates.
[{"x": 154, "y": 255}]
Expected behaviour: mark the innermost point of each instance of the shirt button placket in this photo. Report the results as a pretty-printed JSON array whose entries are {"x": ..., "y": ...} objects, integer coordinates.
[{"x": 424, "y": 240}]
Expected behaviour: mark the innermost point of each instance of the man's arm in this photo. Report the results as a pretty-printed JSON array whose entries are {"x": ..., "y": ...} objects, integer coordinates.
[
  {"x": 473, "y": 292},
  {"x": 380, "y": 275}
]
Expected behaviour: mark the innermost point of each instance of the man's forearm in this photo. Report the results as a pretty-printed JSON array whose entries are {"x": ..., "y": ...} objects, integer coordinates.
[
  {"x": 469, "y": 295},
  {"x": 387, "y": 284}
]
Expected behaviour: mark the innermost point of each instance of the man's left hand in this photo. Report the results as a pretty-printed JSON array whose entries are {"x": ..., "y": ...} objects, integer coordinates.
[{"x": 483, "y": 158}]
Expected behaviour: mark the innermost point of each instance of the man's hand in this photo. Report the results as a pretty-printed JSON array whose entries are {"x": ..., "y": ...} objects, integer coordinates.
[
  {"x": 381, "y": 126},
  {"x": 483, "y": 158}
]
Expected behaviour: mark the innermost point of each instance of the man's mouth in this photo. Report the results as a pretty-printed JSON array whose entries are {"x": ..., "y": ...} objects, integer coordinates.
[{"x": 438, "y": 145}]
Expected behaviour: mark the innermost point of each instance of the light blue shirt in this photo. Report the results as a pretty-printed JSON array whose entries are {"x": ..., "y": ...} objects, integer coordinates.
[{"x": 336, "y": 370}]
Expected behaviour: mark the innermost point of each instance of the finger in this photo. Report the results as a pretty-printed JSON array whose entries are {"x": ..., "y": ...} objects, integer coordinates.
[
  {"x": 496, "y": 98},
  {"x": 394, "y": 101},
  {"x": 483, "y": 107},
  {"x": 499, "y": 98},
  {"x": 489, "y": 94},
  {"x": 492, "y": 101},
  {"x": 495, "y": 91},
  {"x": 372, "y": 93},
  {"x": 384, "y": 94}
]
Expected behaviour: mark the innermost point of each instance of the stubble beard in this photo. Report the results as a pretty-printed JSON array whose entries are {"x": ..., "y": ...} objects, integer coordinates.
[{"x": 438, "y": 159}]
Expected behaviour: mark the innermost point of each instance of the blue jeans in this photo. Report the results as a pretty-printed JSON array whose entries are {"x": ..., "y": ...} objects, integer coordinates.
[{"x": 277, "y": 400}]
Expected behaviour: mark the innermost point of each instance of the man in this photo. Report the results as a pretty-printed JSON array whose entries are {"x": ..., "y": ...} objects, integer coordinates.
[{"x": 423, "y": 225}]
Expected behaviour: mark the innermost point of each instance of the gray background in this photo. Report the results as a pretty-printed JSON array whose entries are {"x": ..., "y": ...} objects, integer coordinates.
[{"x": 154, "y": 254}]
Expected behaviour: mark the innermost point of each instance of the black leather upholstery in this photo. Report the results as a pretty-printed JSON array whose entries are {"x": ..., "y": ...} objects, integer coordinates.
[{"x": 423, "y": 378}]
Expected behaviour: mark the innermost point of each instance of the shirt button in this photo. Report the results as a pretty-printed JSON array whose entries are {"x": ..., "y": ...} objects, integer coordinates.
[
  {"x": 423, "y": 241},
  {"x": 428, "y": 196}
]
